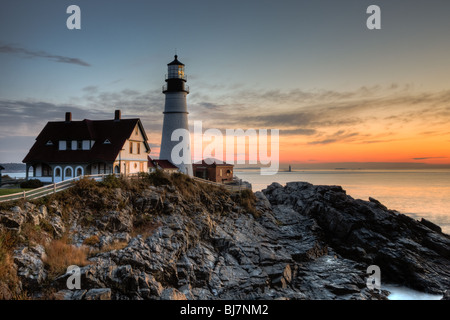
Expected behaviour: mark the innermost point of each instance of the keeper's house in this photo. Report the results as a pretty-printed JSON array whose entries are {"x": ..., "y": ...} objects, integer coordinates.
[
  {"x": 213, "y": 170},
  {"x": 66, "y": 149}
]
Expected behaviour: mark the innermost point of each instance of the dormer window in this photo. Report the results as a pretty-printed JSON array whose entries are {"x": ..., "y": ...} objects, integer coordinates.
[
  {"x": 49, "y": 143},
  {"x": 107, "y": 141}
]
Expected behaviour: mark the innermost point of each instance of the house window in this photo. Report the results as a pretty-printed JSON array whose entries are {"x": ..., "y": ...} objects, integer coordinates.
[
  {"x": 68, "y": 173},
  {"x": 80, "y": 145},
  {"x": 131, "y": 147},
  {"x": 138, "y": 148},
  {"x": 220, "y": 172},
  {"x": 49, "y": 143},
  {"x": 136, "y": 131},
  {"x": 46, "y": 171},
  {"x": 68, "y": 145},
  {"x": 57, "y": 172}
]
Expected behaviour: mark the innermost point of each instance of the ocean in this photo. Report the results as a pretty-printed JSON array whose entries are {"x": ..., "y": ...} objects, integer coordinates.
[{"x": 418, "y": 194}]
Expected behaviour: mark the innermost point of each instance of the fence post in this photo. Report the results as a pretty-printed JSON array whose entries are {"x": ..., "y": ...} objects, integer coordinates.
[
  {"x": 24, "y": 195},
  {"x": 54, "y": 187}
]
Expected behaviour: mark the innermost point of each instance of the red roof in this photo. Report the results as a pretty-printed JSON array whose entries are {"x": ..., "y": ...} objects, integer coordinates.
[
  {"x": 117, "y": 132},
  {"x": 213, "y": 163},
  {"x": 163, "y": 164}
]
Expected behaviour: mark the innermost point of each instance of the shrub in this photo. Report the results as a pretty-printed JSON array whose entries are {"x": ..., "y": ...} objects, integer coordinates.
[
  {"x": 31, "y": 184},
  {"x": 111, "y": 181},
  {"x": 85, "y": 187},
  {"x": 156, "y": 178}
]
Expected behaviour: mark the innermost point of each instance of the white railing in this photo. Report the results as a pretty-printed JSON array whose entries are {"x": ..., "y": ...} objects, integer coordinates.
[{"x": 48, "y": 189}]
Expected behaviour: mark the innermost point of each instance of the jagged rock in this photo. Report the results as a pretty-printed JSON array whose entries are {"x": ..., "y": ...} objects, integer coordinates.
[
  {"x": 118, "y": 221},
  {"x": 57, "y": 225},
  {"x": 98, "y": 294},
  {"x": 30, "y": 266},
  {"x": 172, "y": 294},
  {"x": 70, "y": 294},
  {"x": 13, "y": 219},
  {"x": 446, "y": 295},
  {"x": 35, "y": 216}
]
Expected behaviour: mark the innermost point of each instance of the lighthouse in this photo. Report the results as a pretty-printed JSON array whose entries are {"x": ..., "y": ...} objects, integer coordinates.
[{"x": 176, "y": 117}]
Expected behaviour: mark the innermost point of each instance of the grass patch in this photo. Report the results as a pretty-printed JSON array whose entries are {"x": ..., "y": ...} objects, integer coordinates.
[
  {"x": 247, "y": 200},
  {"x": 61, "y": 254},
  {"x": 4, "y": 192}
]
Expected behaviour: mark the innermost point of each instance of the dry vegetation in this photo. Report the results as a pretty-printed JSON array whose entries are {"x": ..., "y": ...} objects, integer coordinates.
[
  {"x": 9, "y": 281},
  {"x": 60, "y": 254}
]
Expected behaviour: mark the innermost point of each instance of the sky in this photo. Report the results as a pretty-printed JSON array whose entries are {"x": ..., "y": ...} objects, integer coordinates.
[{"x": 337, "y": 91}]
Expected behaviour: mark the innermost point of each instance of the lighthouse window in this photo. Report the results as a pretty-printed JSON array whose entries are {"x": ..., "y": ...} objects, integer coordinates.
[{"x": 180, "y": 72}]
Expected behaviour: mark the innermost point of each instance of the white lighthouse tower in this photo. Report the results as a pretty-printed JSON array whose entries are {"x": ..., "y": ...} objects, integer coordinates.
[{"x": 175, "y": 115}]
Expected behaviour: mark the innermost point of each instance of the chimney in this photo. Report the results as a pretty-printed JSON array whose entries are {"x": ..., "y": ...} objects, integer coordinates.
[
  {"x": 117, "y": 115},
  {"x": 68, "y": 116}
]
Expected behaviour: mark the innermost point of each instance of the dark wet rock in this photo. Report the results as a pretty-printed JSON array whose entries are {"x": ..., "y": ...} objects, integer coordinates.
[
  {"x": 431, "y": 225},
  {"x": 413, "y": 253}
]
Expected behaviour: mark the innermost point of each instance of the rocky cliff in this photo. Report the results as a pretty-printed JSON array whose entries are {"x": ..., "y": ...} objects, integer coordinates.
[{"x": 179, "y": 239}]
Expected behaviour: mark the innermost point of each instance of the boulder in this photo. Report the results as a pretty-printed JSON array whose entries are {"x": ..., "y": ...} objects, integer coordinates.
[{"x": 13, "y": 219}]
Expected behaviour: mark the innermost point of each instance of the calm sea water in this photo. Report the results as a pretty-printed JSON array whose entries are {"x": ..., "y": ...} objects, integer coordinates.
[{"x": 418, "y": 194}]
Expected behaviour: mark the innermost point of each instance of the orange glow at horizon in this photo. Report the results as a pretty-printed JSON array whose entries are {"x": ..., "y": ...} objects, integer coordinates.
[
  {"x": 402, "y": 147},
  {"x": 416, "y": 149}
]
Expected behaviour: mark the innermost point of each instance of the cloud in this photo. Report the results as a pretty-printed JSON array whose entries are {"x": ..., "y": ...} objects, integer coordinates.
[
  {"x": 29, "y": 117},
  {"x": 8, "y": 49},
  {"x": 340, "y": 136},
  {"x": 90, "y": 89},
  {"x": 427, "y": 158},
  {"x": 298, "y": 131},
  {"x": 374, "y": 110}
]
